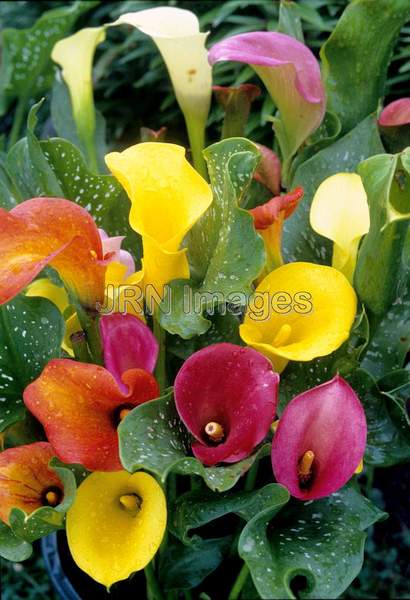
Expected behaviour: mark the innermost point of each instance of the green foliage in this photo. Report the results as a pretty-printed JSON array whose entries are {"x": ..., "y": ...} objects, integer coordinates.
[
  {"x": 350, "y": 61},
  {"x": 321, "y": 542},
  {"x": 152, "y": 437},
  {"x": 31, "y": 332}
]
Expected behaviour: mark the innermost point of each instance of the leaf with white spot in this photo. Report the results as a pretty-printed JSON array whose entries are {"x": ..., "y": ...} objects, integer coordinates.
[
  {"x": 226, "y": 254},
  {"x": 321, "y": 542},
  {"x": 31, "y": 332},
  {"x": 27, "y": 70},
  {"x": 152, "y": 437}
]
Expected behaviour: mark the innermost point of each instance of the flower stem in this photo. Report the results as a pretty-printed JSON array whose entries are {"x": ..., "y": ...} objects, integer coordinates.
[
  {"x": 160, "y": 369},
  {"x": 153, "y": 590},
  {"x": 80, "y": 348},
  {"x": 19, "y": 115},
  {"x": 196, "y": 135},
  {"x": 251, "y": 477},
  {"x": 239, "y": 583}
]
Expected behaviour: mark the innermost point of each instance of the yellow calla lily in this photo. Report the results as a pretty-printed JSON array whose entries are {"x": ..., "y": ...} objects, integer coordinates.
[
  {"x": 167, "y": 197},
  {"x": 299, "y": 311},
  {"x": 74, "y": 54},
  {"x": 175, "y": 32},
  {"x": 340, "y": 213},
  {"x": 116, "y": 524}
]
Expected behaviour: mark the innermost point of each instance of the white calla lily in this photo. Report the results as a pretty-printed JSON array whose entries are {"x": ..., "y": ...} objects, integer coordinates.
[
  {"x": 340, "y": 213},
  {"x": 176, "y": 33},
  {"x": 75, "y": 54}
]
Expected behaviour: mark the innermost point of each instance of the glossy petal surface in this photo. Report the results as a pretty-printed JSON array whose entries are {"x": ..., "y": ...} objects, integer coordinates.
[
  {"x": 106, "y": 540},
  {"x": 232, "y": 386},
  {"x": 299, "y": 311},
  {"x": 330, "y": 421},
  {"x": 396, "y": 113},
  {"x": 78, "y": 405},
  {"x": 25, "y": 476}
]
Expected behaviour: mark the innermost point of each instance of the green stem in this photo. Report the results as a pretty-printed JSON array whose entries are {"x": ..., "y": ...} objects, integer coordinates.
[
  {"x": 160, "y": 369},
  {"x": 19, "y": 115},
  {"x": 239, "y": 583},
  {"x": 196, "y": 135},
  {"x": 251, "y": 477},
  {"x": 79, "y": 343},
  {"x": 153, "y": 590},
  {"x": 89, "y": 323}
]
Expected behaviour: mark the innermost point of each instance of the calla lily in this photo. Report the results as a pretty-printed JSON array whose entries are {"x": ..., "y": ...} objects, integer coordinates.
[
  {"x": 291, "y": 74},
  {"x": 80, "y": 406},
  {"x": 226, "y": 395},
  {"x": 127, "y": 344},
  {"x": 167, "y": 197},
  {"x": 340, "y": 212},
  {"x": 74, "y": 54},
  {"x": 236, "y": 103},
  {"x": 114, "y": 253},
  {"x": 52, "y": 231},
  {"x": 396, "y": 113},
  {"x": 26, "y": 480},
  {"x": 116, "y": 524},
  {"x": 320, "y": 440},
  {"x": 268, "y": 171},
  {"x": 268, "y": 220},
  {"x": 176, "y": 34},
  {"x": 299, "y": 311}
]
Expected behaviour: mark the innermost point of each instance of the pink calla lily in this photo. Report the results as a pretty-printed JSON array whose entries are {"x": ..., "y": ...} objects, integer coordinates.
[
  {"x": 227, "y": 396},
  {"x": 127, "y": 344},
  {"x": 396, "y": 113},
  {"x": 291, "y": 74},
  {"x": 112, "y": 247},
  {"x": 320, "y": 440}
]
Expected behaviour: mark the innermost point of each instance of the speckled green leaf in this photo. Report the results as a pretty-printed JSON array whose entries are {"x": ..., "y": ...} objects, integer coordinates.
[
  {"x": 357, "y": 54},
  {"x": 225, "y": 252},
  {"x": 322, "y": 540},
  {"x": 31, "y": 331},
  {"x": 46, "y": 519},
  {"x": 300, "y": 242},
  {"x": 388, "y": 430},
  {"x": 174, "y": 316},
  {"x": 196, "y": 509},
  {"x": 152, "y": 437},
  {"x": 12, "y": 547},
  {"x": 27, "y": 70},
  {"x": 55, "y": 167},
  {"x": 387, "y": 185}
]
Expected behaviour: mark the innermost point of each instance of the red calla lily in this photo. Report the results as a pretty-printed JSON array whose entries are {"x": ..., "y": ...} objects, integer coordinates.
[
  {"x": 53, "y": 231},
  {"x": 226, "y": 395},
  {"x": 26, "y": 480},
  {"x": 320, "y": 440},
  {"x": 80, "y": 406}
]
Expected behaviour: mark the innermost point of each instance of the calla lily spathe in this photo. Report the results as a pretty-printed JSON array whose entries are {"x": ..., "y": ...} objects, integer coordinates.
[
  {"x": 167, "y": 197},
  {"x": 116, "y": 524},
  {"x": 291, "y": 74},
  {"x": 74, "y": 54},
  {"x": 27, "y": 482},
  {"x": 55, "y": 232},
  {"x": 396, "y": 113},
  {"x": 320, "y": 440},
  {"x": 175, "y": 32},
  {"x": 80, "y": 406},
  {"x": 299, "y": 311},
  {"x": 227, "y": 396},
  {"x": 340, "y": 212}
]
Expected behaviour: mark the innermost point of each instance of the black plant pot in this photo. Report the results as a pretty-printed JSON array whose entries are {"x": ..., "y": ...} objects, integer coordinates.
[{"x": 71, "y": 583}]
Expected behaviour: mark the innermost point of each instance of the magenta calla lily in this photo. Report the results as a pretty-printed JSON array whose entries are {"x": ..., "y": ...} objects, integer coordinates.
[
  {"x": 227, "y": 396},
  {"x": 320, "y": 440},
  {"x": 127, "y": 344},
  {"x": 396, "y": 113},
  {"x": 291, "y": 74}
]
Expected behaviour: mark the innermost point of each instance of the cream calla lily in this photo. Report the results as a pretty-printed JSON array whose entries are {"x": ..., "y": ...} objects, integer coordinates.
[
  {"x": 74, "y": 54},
  {"x": 176, "y": 33},
  {"x": 340, "y": 213},
  {"x": 167, "y": 197}
]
